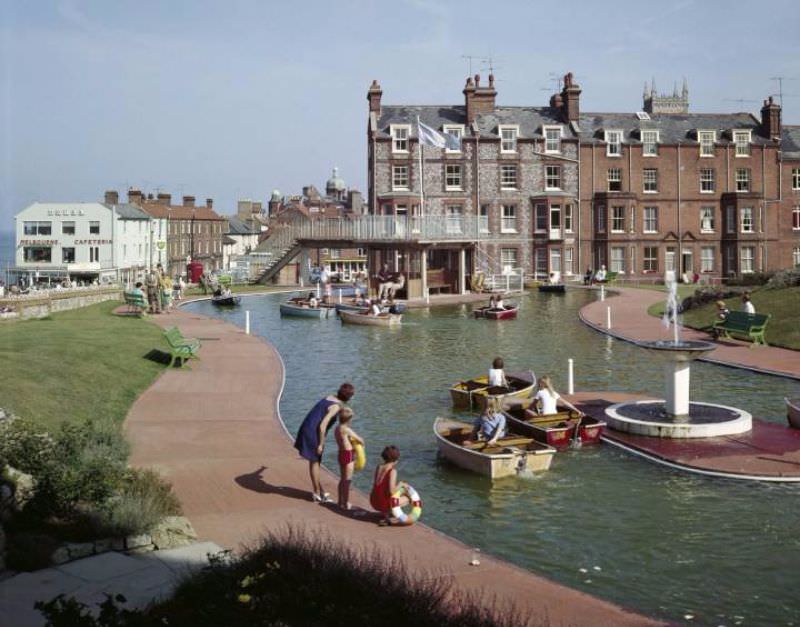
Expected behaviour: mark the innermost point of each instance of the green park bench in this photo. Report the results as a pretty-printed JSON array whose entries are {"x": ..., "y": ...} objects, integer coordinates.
[
  {"x": 742, "y": 323},
  {"x": 181, "y": 347},
  {"x": 136, "y": 303}
]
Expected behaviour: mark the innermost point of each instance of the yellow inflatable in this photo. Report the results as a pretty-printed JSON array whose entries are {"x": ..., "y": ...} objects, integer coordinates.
[{"x": 361, "y": 455}]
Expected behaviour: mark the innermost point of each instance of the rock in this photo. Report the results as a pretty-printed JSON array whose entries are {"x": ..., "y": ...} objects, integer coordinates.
[
  {"x": 60, "y": 556},
  {"x": 172, "y": 532},
  {"x": 77, "y": 550},
  {"x": 147, "y": 548},
  {"x": 134, "y": 542}
]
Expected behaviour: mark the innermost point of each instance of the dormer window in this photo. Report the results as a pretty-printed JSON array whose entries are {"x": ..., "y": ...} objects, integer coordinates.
[
  {"x": 456, "y": 130},
  {"x": 613, "y": 143},
  {"x": 508, "y": 138},
  {"x": 552, "y": 139},
  {"x": 706, "y": 139},
  {"x": 742, "y": 141},
  {"x": 400, "y": 134},
  {"x": 650, "y": 143}
]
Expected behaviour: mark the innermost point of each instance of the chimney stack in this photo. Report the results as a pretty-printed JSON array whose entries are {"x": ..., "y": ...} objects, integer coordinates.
[
  {"x": 112, "y": 197},
  {"x": 188, "y": 201},
  {"x": 771, "y": 119},
  {"x": 135, "y": 197},
  {"x": 210, "y": 203},
  {"x": 570, "y": 97},
  {"x": 374, "y": 97},
  {"x": 477, "y": 99},
  {"x": 164, "y": 199}
]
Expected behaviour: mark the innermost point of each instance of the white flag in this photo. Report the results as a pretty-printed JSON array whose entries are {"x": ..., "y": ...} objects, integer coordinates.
[{"x": 431, "y": 137}]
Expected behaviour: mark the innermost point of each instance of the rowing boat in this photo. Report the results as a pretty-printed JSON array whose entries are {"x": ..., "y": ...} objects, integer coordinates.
[
  {"x": 557, "y": 430},
  {"x": 507, "y": 457},
  {"x": 793, "y": 412},
  {"x": 226, "y": 301},
  {"x": 557, "y": 288},
  {"x": 297, "y": 310},
  {"x": 490, "y": 313},
  {"x": 367, "y": 319},
  {"x": 475, "y": 392}
]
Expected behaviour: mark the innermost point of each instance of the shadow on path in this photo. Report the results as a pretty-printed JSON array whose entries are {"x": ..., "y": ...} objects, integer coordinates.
[{"x": 254, "y": 482}]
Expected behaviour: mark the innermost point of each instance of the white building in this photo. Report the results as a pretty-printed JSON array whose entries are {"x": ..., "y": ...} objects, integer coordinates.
[{"x": 82, "y": 241}]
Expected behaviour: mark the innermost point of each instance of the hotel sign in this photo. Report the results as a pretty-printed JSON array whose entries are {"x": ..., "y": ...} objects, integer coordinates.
[
  {"x": 65, "y": 212},
  {"x": 38, "y": 242}
]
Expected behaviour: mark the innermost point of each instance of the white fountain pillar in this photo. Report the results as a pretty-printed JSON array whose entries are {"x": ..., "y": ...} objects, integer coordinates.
[{"x": 676, "y": 375}]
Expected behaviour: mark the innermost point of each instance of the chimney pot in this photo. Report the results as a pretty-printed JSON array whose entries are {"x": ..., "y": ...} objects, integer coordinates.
[
  {"x": 164, "y": 199},
  {"x": 112, "y": 197},
  {"x": 210, "y": 203},
  {"x": 188, "y": 201},
  {"x": 135, "y": 196},
  {"x": 477, "y": 80}
]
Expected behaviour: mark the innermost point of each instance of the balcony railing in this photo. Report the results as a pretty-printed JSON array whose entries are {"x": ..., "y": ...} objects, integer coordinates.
[{"x": 394, "y": 228}]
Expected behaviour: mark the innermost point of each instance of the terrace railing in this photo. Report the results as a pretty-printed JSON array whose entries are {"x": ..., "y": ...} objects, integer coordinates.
[{"x": 393, "y": 228}]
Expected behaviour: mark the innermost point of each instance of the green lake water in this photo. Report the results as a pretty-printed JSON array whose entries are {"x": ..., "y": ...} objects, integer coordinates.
[{"x": 663, "y": 542}]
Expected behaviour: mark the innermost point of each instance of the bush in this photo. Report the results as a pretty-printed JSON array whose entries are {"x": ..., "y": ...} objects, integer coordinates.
[
  {"x": 25, "y": 446},
  {"x": 784, "y": 278},
  {"x": 705, "y": 295},
  {"x": 750, "y": 279},
  {"x": 143, "y": 501}
]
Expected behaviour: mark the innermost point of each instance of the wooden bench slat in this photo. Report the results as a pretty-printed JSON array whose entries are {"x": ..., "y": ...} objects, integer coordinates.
[{"x": 743, "y": 323}]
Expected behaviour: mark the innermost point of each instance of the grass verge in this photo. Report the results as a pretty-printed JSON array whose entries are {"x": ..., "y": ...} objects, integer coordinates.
[{"x": 75, "y": 365}]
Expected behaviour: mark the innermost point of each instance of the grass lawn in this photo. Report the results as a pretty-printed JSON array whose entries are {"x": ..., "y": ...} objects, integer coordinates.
[
  {"x": 84, "y": 363},
  {"x": 783, "y": 329}
]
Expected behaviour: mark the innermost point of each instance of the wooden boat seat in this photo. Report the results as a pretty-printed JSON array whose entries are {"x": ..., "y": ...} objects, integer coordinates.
[
  {"x": 471, "y": 386},
  {"x": 563, "y": 416}
]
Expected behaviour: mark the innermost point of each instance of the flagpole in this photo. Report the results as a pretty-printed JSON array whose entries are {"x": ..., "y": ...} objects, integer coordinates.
[{"x": 421, "y": 174}]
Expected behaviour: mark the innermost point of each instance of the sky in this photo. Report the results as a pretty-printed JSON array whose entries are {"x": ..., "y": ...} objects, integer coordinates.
[{"x": 233, "y": 99}]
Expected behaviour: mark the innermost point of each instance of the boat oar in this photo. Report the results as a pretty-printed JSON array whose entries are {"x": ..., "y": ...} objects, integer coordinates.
[{"x": 576, "y": 440}]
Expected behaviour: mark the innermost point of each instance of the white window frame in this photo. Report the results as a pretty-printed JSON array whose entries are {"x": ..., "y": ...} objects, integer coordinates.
[
  {"x": 397, "y": 184},
  {"x": 609, "y": 180},
  {"x": 708, "y": 181},
  {"x": 746, "y": 220},
  {"x": 509, "y": 167},
  {"x": 568, "y": 218},
  {"x": 549, "y": 141},
  {"x": 648, "y": 220},
  {"x": 394, "y": 130},
  {"x": 454, "y": 218},
  {"x": 796, "y": 256},
  {"x": 508, "y": 219},
  {"x": 747, "y": 179},
  {"x": 646, "y": 182},
  {"x": 707, "y": 259},
  {"x": 548, "y": 177},
  {"x": 707, "y": 215},
  {"x": 618, "y": 219},
  {"x": 613, "y": 138},
  {"x": 457, "y": 130},
  {"x": 730, "y": 219},
  {"x": 795, "y": 179},
  {"x": 707, "y": 139},
  {"x": 454, "y": 172},
  {"x": 616, "y": 263},
  {"x": 541, "y": 218},
  {"x": 796, "y": 218},
  {"x": 649, "y": 146},
  {"x": 512, "y": 141},
  {"x": 747, "y": 261},
  {"x": 508, "y": 257},
  {"x": 569, "y": 266},
  {"x": 652, "y": 259},
  {"x": 483, "y": 218},
  {"x": 741, "y": 140}
]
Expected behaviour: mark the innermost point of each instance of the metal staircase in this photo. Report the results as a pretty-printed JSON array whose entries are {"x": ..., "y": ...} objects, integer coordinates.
[{"x": 277, "y": 250}]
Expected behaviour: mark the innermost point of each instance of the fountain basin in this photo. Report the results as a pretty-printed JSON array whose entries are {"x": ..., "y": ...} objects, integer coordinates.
[
  {"x": 683, "y": 350},
  {"x": 652, "y": 418}
]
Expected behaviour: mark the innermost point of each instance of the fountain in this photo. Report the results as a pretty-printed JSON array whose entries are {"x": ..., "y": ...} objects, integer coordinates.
[{"x": 677, "y": 416}]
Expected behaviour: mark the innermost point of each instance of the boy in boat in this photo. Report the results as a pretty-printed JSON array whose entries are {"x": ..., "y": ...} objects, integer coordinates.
[
  {"x": 547, "y": 399},
  {"x": 497, "y": 376},
  {"x": 345, "y": 436},
  {"x": 385, "y": 483},
  {"x": 491, "y": 424}
]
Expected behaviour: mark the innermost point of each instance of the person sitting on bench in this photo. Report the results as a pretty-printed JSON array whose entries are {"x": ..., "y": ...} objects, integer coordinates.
[{"x": 600, "y": 275}]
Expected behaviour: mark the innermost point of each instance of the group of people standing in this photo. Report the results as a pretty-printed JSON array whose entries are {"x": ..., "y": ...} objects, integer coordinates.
[
  {"x": 310, "y": 442},
  {"x": 160, "y": 290}
]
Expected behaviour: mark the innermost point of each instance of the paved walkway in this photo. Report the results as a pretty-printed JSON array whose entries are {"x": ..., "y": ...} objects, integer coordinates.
[
  {"x": 215, "y": 433},
  {"x": 629, "y": 321}
]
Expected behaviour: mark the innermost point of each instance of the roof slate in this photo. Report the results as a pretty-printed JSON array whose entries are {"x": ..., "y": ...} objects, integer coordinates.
[
  {"x": 127, "y": 211},
  {"x": 790, "y": 142},
  {"x": 237, "y": 226},
  {"x": 180, "y": 212}
]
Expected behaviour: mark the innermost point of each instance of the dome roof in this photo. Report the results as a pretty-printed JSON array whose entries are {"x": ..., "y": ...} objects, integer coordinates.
[
  {"x": 276, "y": 195},
  {"x": 335, "y": 183}
]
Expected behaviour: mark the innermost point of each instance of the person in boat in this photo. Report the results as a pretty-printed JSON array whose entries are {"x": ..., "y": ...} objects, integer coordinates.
[
  {"x": 226, "y": 292},
  {"x": 385, "y": 483},
  {"x": 375, "y": 309},
  {"x": 491, "y": 424},
  {"x": 497, "y": 375},
  {"x": 310, "y": 441},
  {"x": 499, "y": 305},
  {"x": 546, "y": 400},
  {"x": 345, "y": 436},
  {"x": 217, "y": 291}
]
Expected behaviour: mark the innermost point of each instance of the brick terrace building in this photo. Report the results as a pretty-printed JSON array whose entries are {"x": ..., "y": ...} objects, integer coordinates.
[
  {"x": 553, "y": 189},
  {"x": 191, "y": 232}
]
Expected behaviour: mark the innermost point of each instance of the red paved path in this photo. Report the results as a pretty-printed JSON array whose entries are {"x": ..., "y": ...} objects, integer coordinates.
[
  {"x": 629, "y": 321},
  {"x": 215, "y": 433}
]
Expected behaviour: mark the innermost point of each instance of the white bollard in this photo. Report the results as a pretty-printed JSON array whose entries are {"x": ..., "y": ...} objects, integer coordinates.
[
  {"x": 301, "y": 281},
  {"x": 317, "y": 291},
  {"x": 340, "y": 295},
  {"x": 608, "y": 317},
  {"x": 602, "y": 292},
  {"x": 508, "y": 282},
  {"x": 247, "y": 322},
  {"x": 427, "y": 296},
  {"x": 570, "y": 377}
]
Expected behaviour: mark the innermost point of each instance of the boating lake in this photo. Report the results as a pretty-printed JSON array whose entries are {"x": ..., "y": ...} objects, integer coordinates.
[{"x": 681, "y": 547}]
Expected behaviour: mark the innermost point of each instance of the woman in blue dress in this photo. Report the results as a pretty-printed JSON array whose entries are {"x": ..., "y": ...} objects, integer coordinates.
[{"x": 311, "y": 436}]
